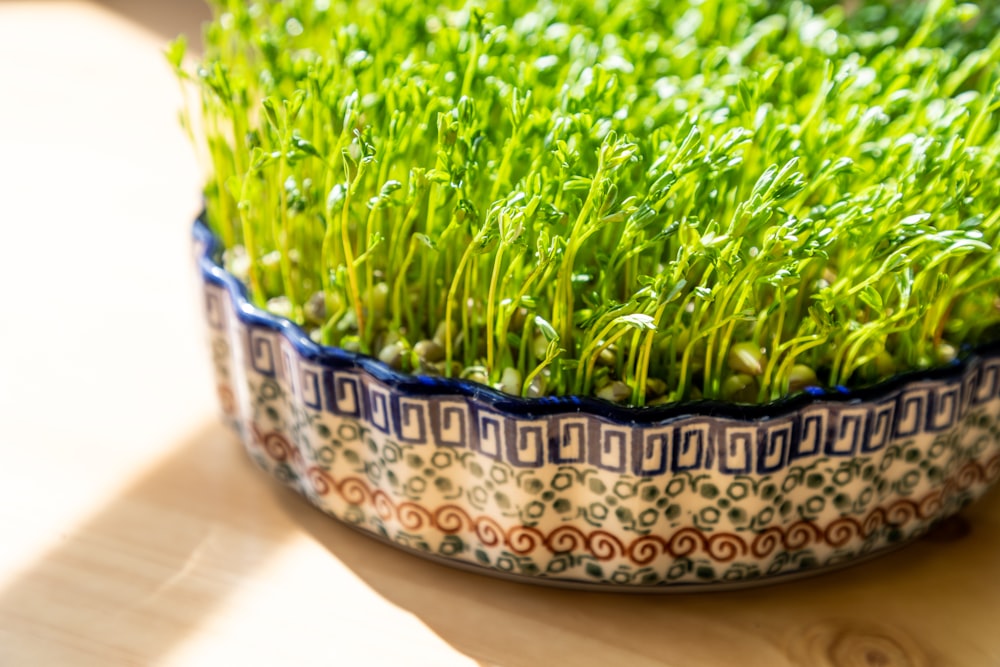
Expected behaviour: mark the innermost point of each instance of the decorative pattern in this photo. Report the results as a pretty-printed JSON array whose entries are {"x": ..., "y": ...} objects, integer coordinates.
[
  {"x": 722, "y": 547},
  {"x": 572, "y": 495},
  {"x": 727, "y": 446}
]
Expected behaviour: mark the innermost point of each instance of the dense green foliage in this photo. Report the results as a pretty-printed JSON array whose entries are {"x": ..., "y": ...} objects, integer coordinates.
[{"x": 645, "y": 200}]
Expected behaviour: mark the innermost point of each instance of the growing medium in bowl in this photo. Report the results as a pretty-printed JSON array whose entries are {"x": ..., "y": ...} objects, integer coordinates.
[{"x": 643, "y": 294}]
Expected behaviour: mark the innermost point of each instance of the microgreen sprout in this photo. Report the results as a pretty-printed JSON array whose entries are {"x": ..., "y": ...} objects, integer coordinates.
[{"x": 643, "y": 201}]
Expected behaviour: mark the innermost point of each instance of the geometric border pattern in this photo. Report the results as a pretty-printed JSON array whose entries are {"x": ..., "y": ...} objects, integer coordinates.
[{"x": 682, "y": 444}]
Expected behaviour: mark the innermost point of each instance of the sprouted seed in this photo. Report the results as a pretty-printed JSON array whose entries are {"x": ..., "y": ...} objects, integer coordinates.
[{"x": 643, "y": 201}]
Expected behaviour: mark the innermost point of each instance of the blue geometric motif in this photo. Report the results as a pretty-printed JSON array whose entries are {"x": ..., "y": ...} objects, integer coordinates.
[
  {"x": 571, "y": 444},
  {"x": 812, "y": 434},
  {"x": 309, "y": 381},
  {"x": 851, "y": 432},
  {"x": 378, "y": 407},
  {"x": 649, "y": 451},
  {"x": 880, "y": 422},
  {"x": 692, "y": 447},
  {"x": 970, "y": 384},
  {"x": 527, "y": 449},
  {"x": 450, "y": 423},
  {"x": 410, "y": 416},
  {"x": 774, "y": 446},
  {"x": 346, "y": 395},
  {"x": 987, "y": 382},
  {"x": 945, "y": 408},
  {"x": 736, "y": 451},
  {"x": 687, "y": 443},
  {"x": 261, "y": 352},
  {"x": 215, "y": 309},
  {"x": 608, "y": 450},
  {"x": 491, "y": 434},
  {"x": 911, "y": 413}
]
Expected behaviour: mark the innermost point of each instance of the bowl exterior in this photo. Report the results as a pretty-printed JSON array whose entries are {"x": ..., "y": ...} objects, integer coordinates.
[{"x": 582, "y": 495}]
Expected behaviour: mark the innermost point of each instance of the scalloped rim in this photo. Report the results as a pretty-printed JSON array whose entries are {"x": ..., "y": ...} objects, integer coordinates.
[{"x": 535, "y": 407}]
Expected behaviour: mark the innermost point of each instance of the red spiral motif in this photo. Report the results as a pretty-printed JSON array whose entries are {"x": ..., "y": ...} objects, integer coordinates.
[
  {"x": 646, "y": 549},
  {"x": 604, "y": 546},
  {"x": 685, "y": 542},
  {"x": 565, "y": 539},
  {"x": 992, "y": 468},
  {"x": 766, "y": 541},
  {"x": 488, "y": 531},
  {"x": 524, "y": 539},
  {"x": 725, "y": 547},
  {"x": 383, "y": 505},
  {"x": 720, "y": 547},
  {"x": 842, "y": 530},
  {"x": 931, "y": 504},
  {"x": 970, "y": 474},
  {"x": 413, "y": 517},
  {"x": 801, "y": 534},
  {"x": 874, "y": 521},
  {"x": 275, "y": 444},
  {"x": 353, "y": 490},
  {"x": 321, "y": 480},
  {"x": 902, "y": 512},
  {"x": 451, "y": 518},
  {"x": 227, "y": 400}
]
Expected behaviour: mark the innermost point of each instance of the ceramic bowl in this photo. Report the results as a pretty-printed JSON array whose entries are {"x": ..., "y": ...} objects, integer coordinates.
[{"x": 581, "y": 492}]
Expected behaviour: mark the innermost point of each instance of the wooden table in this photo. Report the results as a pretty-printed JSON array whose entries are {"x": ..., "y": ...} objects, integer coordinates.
[{"x": 134, "y": 532}]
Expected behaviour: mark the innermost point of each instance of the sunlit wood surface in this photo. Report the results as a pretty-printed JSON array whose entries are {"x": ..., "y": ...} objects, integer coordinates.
[{"x": 134, "y": 532}]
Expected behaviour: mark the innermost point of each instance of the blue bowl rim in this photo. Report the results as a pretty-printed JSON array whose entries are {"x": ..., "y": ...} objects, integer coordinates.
[{"x": 529, "y": 408}]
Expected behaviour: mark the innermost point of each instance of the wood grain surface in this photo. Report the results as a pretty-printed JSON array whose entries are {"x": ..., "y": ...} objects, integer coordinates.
[{"x": 133, "y": 531}]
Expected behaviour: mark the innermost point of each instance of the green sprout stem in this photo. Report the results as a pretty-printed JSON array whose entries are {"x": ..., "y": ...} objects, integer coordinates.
[{"x": 646, "y": 202}]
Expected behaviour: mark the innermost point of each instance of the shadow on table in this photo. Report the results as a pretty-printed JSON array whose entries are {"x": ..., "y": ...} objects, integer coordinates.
[
  {"x": 166, "y": 19},
  {"x": 113, "y": 588},
  {"x": 895, "y": 610},
  {"x": 132, "y": 582}
]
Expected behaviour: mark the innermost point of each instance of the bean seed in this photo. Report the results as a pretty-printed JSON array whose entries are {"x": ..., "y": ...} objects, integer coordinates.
[
  {"x": 608, "y": 356},
  {"x": 615, "y": 391},
  {"x": 655, "y": 387},
  {"x": 945, "y": 353},
  {"x": 378, "y": 296},
  {"x": 747, "y": 358},
  {"x": 510, "y": 381},
  {"x": 238, "y": 262},
  {"x": 536, "y": 387},
  {"x": 539, "y": 345},
  {"x": 315, "y": 309},
  {"x": 439, "y": 333},
  {"x": 801, "y": 376},
  {"x": 476, "y": 374},
  {"x": 280, "y": 306},
  {"x": 885, "y": 365},
  {"x": 429, "y": 351},
  {"x": 392, "y": 355},
  {"x": 740, "y": 388},
  {"x": 441, "y": 368}
]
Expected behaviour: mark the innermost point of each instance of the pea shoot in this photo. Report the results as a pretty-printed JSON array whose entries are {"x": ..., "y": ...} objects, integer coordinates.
[{"x": 642, "y": 201}]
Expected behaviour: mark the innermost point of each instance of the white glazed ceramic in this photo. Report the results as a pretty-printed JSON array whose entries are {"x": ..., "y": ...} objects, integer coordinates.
[{"x": 581, "y": 492}]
